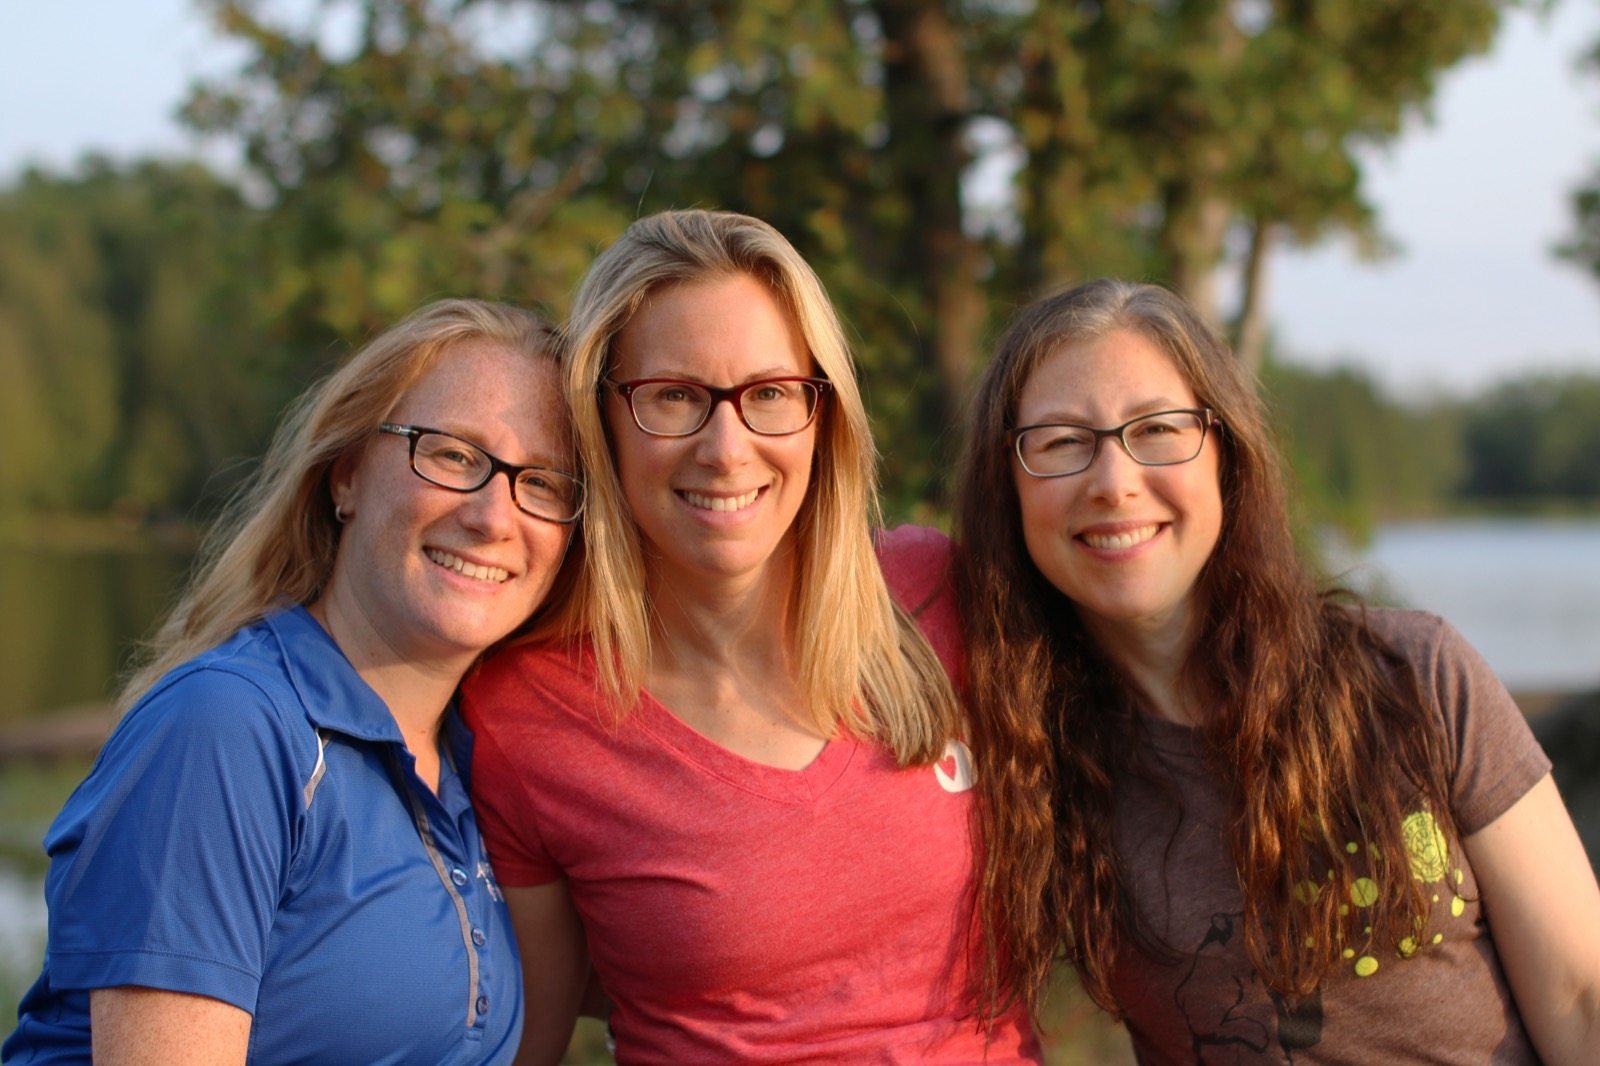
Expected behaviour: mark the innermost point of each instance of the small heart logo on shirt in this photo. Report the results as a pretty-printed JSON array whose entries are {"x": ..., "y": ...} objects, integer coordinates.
[{"x": 954, "y": 768}]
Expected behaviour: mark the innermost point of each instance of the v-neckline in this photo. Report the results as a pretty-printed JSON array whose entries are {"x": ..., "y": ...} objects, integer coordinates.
[{"x": 773, "y": 782}]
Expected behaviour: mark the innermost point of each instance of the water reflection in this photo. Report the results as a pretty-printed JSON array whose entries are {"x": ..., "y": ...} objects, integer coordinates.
[{"x": 68, "y": 621}]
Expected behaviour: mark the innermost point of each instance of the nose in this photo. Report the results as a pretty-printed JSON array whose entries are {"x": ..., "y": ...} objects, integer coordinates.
[
  {"x": 1113, "y": 475},
  {"x": 490, "y": 510},
  {"x": 724, "y": 440}
]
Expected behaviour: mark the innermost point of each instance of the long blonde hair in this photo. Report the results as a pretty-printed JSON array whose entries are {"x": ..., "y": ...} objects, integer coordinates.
[
  {"x": 861, "y": 661},
  {"x": 275, "y": 543}
]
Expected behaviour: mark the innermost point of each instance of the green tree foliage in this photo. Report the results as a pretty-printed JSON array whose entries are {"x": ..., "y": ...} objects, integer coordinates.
[
  {"x": 126, "y": 342},
  {"x": 460, "y": 145},
  {"x": 1358, "y": 456},
  {"x": 1537, "y": 437}
]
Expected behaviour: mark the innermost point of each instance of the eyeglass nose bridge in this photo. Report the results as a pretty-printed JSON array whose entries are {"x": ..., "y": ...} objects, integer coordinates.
[
  {"x": 1121, "y": 435},
  {"x": 733, "y": 398}
]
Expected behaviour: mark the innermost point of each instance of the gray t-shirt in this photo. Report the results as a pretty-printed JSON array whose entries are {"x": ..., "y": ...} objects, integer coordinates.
[{"x": 1442, "y": 999}]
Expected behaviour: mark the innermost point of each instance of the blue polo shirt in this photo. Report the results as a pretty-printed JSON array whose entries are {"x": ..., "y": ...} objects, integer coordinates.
[{"x": 255, "y": 831}]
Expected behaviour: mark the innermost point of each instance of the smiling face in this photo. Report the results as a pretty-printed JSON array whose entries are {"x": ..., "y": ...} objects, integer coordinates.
[
  {"x": 721, "y": 503},
  {"x": 1124, "y": 542},
  {"x": 440, "y": 575}
]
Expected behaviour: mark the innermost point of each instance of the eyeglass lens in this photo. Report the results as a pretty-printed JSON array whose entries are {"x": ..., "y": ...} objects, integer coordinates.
[
  {"x": 456, "y": 464},
  {"x": 676, "y": 409},
  {"x": 1157, "y": 440}
]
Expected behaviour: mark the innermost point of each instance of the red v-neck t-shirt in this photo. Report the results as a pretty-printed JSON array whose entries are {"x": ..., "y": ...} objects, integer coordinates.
[{"x": 737, "y": 911}]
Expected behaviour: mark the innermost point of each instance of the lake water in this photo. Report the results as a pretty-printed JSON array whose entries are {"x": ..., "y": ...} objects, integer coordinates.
[{"x": 1524, "y": 592}]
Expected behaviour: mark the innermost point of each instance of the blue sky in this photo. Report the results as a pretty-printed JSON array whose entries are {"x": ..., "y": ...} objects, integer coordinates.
[{"x": 1475, "y": 200}]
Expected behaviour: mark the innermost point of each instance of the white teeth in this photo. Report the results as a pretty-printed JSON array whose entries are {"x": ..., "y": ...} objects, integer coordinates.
[
  {"x": 454, "y": 562},
  {"x": 721, "y": 503},
  {"x": 1126, "y": 539}
]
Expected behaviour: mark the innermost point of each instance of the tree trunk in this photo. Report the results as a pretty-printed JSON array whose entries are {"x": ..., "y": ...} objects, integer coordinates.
[
  {"x": 928, "y": 105},
  {"x": 1250, "y": 325},
  {"x": 1192, "y": 233}
]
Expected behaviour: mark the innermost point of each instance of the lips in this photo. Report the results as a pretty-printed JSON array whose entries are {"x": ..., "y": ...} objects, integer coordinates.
[
  {"x": 723, "y": 504},
  {"x": 494, "y": 575},
  {"x": 1120, "y": 539}
]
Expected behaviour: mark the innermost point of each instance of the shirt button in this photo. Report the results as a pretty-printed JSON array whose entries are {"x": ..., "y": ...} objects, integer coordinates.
[
  {"x": 478, "y": 938},
  {"x": 483, "y": 1005},
  {"x": 459, "y": 876}
]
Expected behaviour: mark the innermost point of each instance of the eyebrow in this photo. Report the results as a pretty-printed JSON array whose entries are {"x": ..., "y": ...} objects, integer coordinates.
[
  {"x": 1145, "y": 407},
  {"x": 455, "y": 429}
]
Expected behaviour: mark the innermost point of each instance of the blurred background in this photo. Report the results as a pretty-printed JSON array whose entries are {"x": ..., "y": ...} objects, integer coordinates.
[{"x": 1392, "y": 207}]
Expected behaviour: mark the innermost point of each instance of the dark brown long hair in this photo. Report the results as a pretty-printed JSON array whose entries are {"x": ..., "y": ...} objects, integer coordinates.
[{"x": 1314, "y": 729}]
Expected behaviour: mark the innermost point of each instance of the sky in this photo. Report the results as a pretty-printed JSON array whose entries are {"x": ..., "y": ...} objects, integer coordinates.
[{"x": 1475, "y": 199}]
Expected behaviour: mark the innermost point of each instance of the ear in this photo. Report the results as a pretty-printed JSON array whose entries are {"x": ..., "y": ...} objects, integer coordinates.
[{"x": 342, "y": 482}]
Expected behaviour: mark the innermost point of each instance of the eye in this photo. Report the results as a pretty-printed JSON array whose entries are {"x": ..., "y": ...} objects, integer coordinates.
[
  {"x": 672, "y": 394},
  {"x": 454, "y": 456},
  {"x": 1062, "y": 438},
  {"x": 771, "y": 392}
]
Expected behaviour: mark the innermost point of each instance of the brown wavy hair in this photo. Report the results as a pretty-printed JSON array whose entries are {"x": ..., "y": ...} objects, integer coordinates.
[{"x": 1316, "y": 733}]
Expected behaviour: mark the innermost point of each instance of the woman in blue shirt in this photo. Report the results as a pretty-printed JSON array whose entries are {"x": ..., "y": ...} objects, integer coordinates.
[{"x": 274, "y": 857}]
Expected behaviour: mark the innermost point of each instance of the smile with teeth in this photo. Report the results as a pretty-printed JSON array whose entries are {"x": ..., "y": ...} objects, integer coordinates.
[
  {"x": 1127, "y": 538},
  {"x": 720, "y": 503},
  {"x": 492, "y": 574}
]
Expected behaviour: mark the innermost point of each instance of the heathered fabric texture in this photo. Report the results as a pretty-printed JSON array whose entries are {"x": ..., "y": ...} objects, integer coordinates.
[
  {"x": 737, "y": 912},
  {"x": 1441, "y": 999}
]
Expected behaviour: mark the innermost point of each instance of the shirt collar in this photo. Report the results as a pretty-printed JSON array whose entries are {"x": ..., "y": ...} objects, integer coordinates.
[{"x": 334, "y": 695}]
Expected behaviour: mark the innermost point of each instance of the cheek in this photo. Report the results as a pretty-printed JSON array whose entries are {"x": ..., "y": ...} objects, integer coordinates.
[
  {"x": 804, "y": 458},
  {"x": 638, "y": 469},
  {"x": 547, "y": 550},
  {"x": 1037, "y": 507}
]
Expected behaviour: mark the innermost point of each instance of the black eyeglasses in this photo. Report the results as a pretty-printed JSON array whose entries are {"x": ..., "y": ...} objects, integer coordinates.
[
  {"x": 449, "y": 462},
  {"x": 772, "y": 407},
  {"x": 1164, "y": 438}
]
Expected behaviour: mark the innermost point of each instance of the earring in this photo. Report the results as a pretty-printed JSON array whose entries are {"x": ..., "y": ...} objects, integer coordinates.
[{"x": 339, "y": 515}]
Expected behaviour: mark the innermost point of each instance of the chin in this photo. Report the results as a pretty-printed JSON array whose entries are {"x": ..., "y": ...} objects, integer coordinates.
[{"x": 470, "y": 632}]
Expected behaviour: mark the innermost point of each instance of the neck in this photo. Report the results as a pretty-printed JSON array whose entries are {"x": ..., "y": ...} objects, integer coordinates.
[
  {"x": 1153, "y": 652},
  {"x": 416, "y": 690},
  {"x": 729, "y": 626}
]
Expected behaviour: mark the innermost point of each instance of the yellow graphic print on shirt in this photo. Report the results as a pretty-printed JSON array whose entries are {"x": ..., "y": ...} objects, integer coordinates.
[
  {"x": 1429, "y": 855},
  {"x": 1425, "y": 844}
]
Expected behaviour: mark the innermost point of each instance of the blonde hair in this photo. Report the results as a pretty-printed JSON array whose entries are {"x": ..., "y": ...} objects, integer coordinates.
[
  {"x": 860, "y": 659},
  {"x": 276, "y": 541}
]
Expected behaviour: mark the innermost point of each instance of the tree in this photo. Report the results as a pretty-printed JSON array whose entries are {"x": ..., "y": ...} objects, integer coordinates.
[
  {"x": 468, "y": 146},
  {"x": 125, "y": 336}
]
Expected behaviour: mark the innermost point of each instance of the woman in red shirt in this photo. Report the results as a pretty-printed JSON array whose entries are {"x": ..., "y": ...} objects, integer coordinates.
[{"x": 740, "y": 787}]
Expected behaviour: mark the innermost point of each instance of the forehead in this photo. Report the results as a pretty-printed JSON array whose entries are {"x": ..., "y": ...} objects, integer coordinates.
[
  {"x": 498, "y": 396},
  {"x": 718, "y": 330},
  {"x": 1102, "y": 380}
]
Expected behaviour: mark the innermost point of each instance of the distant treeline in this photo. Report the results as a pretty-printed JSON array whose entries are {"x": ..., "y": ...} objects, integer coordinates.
[
  {"x": 1360, "y": 456},
  {"x": 145, "y": 361}
]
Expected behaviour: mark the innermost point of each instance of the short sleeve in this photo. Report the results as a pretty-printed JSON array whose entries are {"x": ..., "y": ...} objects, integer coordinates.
[
  {"x": 916, "y": 564},
  {"x": 168, "y": 862},
  {"x": 1496, "y": 759},
  {"x": 499, "y": 793}
]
